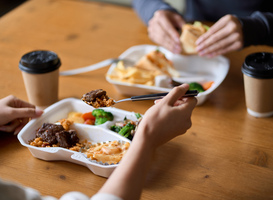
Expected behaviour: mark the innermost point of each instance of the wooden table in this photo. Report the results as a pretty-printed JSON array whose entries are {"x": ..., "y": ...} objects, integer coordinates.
[{"x": 227, "y": 154}]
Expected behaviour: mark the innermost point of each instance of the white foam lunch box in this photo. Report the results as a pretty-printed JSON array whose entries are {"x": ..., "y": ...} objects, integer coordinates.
[{"x": 94, "y": 134}]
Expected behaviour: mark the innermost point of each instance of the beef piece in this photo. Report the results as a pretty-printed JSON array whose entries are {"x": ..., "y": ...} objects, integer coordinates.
[
  {"x": 67, "y": 139},
  {"x": 91, "y": 96},
  {"x": 48, "y": 132},
  {"x": 73, "y": 137}
]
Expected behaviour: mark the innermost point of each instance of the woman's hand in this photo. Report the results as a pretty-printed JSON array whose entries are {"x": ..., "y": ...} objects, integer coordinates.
[
  {"x": 162, "y": 29},
  {"x": 15, "y": 114},
  {"x": 224, "y": 36},
  {"x": 168, "y": 118}
]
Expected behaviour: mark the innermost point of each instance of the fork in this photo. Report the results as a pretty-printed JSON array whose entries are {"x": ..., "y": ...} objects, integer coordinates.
[
  {"x": 189, "y": 93},
  {"x": 98, "y": 65}
]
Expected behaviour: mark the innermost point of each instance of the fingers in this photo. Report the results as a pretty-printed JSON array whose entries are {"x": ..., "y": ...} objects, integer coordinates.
[
  {"x": 11, "y": 126},
  {"x": 214, "y": 38},
  {"x": 162, "y": 29},
  {"x": 19, "y": 128},
  {"x": 224, "y": 45},
  {"x": 18, "y": 103},
  {"x": 159, "y": 35},
  {"x": 189, "y": 102},
  {"x": 225, "y": 36},
  {"x": 26, "y": 112},
  {"x": 175, "y": 94},
  {"x": 214, "y": 29},
  {"x": 15, "y": 126},
  {"x": 232, "y": 47},
  {"x": 165, "y": 23}
]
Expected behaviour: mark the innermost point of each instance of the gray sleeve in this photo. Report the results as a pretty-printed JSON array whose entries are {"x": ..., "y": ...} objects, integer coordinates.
[
  {"x": 146, "y": 8},
  {"x": 258, "y": 29}
]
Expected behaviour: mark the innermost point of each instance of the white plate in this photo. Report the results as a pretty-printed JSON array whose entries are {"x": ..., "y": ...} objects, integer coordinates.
[
  {"x": 191, "y": 68},
  {"x": 92, "y": 133}
]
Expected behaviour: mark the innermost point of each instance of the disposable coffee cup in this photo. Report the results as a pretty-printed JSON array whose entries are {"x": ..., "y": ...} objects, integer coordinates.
[
  {"x": 40, "y": 70},
  {"x": 258, "y": 83}
]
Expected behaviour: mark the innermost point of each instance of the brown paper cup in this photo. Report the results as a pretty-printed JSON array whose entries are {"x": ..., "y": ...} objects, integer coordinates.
[
  {"x": 259, "y": 96},
  {"x": 258, "y": 84},
  {"x": 40, "y": 70},
  {"x": 42, "y": 89}
]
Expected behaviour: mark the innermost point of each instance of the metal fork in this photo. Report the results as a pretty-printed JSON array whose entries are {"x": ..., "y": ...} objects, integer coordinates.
[
  {"x": 98, "y": 65},
  {"x": 189, "y": 93}
]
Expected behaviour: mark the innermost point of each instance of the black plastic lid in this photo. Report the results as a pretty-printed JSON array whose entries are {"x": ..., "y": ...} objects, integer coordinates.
[
  {"x": 39, "y": 62},
  {"x": 259, "y": 65}
]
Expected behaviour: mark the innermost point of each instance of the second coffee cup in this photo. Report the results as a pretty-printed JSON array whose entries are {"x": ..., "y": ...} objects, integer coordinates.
[
  {"x": 258, "y": 84},
  {"x": 40, "y": 70}
]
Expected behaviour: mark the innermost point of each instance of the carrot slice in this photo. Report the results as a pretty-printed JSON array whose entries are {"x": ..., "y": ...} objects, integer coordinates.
[
  {"x": 89, "y": 121},
  {"x": 88, "y": 115},
  {"x": 207, "y": 85}
]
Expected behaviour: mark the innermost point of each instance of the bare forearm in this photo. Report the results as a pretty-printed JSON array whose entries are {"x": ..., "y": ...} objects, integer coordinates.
[{"x": 128, "y": 179}]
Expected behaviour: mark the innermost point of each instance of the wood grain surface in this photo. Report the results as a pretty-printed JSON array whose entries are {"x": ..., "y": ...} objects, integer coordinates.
[{"x": 227, "y": 154}]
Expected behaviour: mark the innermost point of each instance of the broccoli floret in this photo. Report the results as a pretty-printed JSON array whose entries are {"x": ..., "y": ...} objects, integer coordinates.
[
  {"x": 102, "y": 116},
  {"x": 100, "y": 121},
  {"x": 115, "y": 128},
  {"x": 138, "y": 115},
  {"x": 196, "y": 86},
  {"x": 126, "y": 130},
  {"x": 101, "y": 113}
]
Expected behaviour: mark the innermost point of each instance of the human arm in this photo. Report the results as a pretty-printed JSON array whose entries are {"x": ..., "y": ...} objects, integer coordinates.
[
  {"x": 15, "y": 114},
  {"x": 163, "y": 21},
  {"x": 231, "y": 33},
  {"x": 258, "y": 29},
  {"x": 146, "y": 8},
  {"x": 167, "y": 119}
]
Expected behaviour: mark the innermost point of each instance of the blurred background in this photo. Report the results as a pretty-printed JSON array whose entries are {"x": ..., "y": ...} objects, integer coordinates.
[{"x": 8, "y": 5}]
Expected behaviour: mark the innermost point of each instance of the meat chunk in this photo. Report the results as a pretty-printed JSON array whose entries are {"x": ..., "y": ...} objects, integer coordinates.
[
  {"x": 67, "y": 139},
  {"x": 48, "y": 132},
  {"x": 92, "y": 95},
  {"x": 56, "y": 134},
  {"x": 98, "y": 98}
]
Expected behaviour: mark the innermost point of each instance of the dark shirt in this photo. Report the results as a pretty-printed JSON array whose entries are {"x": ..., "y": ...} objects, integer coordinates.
[{"x": 257, "y": 26}]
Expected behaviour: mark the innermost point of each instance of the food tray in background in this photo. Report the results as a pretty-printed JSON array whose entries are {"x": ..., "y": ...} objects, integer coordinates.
[
  {"x": 192, "y": 68},
  {"x": 99, "y": 133}
]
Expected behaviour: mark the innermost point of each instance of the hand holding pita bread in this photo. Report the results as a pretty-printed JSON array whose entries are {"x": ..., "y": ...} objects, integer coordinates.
[
  {"x": 224, "y": 36},
  {"x": 163, "y": 29}
]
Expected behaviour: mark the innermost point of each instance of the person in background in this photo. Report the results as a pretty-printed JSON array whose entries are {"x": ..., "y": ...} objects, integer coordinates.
[
  {"x": 239, "y": 23},
  {"x": 167, "y": 119}
]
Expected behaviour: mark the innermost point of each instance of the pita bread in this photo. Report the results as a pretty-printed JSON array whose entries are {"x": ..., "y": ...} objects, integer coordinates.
[{"x": 190, "y": 33}]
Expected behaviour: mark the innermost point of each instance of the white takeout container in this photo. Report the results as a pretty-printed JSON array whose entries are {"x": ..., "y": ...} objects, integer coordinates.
[
  {"x": 191, "y": 68},
  {"x": 100, "y": 133}
]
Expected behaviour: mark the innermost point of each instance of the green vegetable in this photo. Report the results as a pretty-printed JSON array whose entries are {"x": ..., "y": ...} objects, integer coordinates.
[
  {"x": 138, "y": 115},
  {"x": 100, "y": 121},
  {"x": 102, "y": 116},
  {"x": 126, "y": 130},
  {"x": 115, "y": 128},
  {"x": 196, "y": 86},
  {"x": 197, "y": 23},
  {"x": 206, "y": 27}
]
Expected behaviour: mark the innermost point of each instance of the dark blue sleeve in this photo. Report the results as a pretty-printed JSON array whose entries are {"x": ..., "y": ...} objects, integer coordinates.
[
  {"x": 258, "y": 29},
  {"x": 146, "y": 8}
]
